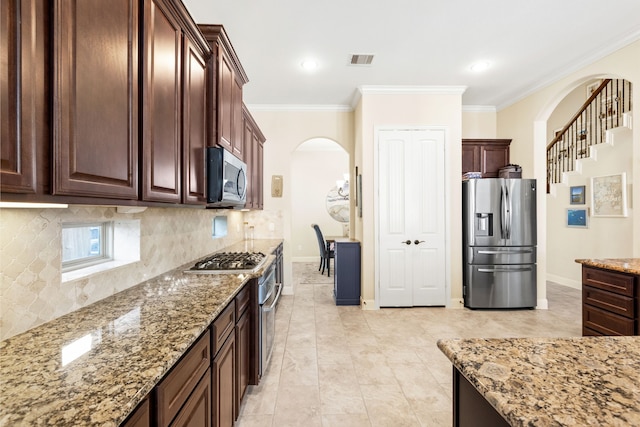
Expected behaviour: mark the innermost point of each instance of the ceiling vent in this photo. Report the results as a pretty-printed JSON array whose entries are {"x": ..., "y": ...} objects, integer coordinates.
[{"x": 361, "y": 59}]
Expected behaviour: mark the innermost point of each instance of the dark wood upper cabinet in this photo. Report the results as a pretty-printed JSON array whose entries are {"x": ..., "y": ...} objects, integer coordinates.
[
  {"x": 194, "y": 121},
  {"x": 253, "y": 141},
  {"x": 485, "y": 155},
  {"x": 162, "y": 107},
  {"x": 226, "y": 79},
  {"x": 24, "y": 134},
  {"x": 95, "y": 98}
]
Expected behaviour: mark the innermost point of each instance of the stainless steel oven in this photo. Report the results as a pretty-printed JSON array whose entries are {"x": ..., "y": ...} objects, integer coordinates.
[{"x": 268, "y": 296}]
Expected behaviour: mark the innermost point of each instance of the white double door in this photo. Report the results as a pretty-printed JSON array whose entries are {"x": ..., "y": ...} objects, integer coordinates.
[{"x": 411, "y": 212}]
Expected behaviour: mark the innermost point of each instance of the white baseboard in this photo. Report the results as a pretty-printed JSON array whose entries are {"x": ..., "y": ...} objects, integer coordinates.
[
  {"x": 564, "y": 281},
  {"x": 456, "y": 303},
  {"x": 368, "y": 304},
  {"x": 287, "y": 290},
  {"x": 542, "y": 304}
]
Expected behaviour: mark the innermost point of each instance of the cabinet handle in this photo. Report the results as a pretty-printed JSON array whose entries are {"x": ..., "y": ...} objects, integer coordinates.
[
  {"x": 417, "y": 242},
  {"x": 407, "y": 242}
]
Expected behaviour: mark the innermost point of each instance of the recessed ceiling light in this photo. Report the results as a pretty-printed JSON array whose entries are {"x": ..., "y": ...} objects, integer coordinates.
[
  {"x": 309, "y": 64},
  {"x": 480, "y": 66}
]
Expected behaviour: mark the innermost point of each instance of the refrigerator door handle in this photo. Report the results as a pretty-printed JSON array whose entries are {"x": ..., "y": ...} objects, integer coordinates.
[
  {"x": 506, "y": 252},
  {"x": 504, "y": 270},
  {"x": 503, "y": 213},
  {"x": 508, "y": 219}
]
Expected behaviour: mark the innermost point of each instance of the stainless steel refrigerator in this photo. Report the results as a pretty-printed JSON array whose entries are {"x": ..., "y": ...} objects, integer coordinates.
[{"x": 499, "y": 241}]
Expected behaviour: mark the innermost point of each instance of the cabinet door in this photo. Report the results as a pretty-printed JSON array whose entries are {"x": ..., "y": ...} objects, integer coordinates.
[
  {"x": 194, "y": 124},
  {"x": 243, "y": 342},
  {"x": 493, "y": 157},
  {"x": 257, "y": 171},
  {"x": 225, "y": 101},
  {"x": 161, "y": 150},
  {"x": 224, "y": 392},
  {"x": 248, "y": 141},
  {"x": 23, "y": 108},
  {"x": 237, "y": 122},
  {"x": 471, "y": 158},
  {"x": 196, "y": 411},
  {"x": 95, "y": 98},
  {"x": 140, "y": 417}
]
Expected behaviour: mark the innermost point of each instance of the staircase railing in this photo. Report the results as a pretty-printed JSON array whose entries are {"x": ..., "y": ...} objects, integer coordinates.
[{"x": 603, "y": 110}]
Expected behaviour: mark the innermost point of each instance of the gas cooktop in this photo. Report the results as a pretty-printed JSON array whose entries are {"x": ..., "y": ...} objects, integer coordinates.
[{"x": 229, "y": 262}]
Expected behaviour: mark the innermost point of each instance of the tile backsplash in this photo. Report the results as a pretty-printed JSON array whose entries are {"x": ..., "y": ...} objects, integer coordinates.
[{"x": 31, "y": 290}]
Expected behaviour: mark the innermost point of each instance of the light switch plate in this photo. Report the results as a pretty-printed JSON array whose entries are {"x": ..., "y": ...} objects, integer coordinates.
[{"x": 276, "y": 186}]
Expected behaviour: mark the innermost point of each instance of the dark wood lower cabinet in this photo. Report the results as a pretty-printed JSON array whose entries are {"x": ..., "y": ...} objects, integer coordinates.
[
  {"x": 141, "y": 417},
  {"x": 470, "y": 409},
  {"x": 196, "y": 411},
  {"x": 243, "y": 343},
  {"x": 610, "y": 302},
  {"x": 176, "y": 388},
  {"x": 224, "y": 384}
]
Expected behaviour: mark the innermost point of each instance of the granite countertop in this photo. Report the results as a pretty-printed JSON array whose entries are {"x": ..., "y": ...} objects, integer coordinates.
[
  {"x": 554, "y": 381},
  {"x": 623, "y": 265},
  {"x": 94, "y": 365}
]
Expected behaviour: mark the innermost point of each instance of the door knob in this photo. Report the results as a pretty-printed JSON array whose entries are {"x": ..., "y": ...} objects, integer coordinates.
[
  {"x": 417, "y": 242},
  {"x": 408, "y": 242}
]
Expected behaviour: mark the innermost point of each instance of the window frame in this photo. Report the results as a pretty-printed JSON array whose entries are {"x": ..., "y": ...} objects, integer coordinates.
[{"x": 105, "y": 248}]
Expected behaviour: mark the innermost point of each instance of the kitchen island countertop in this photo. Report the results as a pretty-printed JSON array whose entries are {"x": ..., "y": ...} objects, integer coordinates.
[
  {"x": 623, "y": 265},
  {"x": 95, "y": 365},
  {"x": 554, "y": 381}
]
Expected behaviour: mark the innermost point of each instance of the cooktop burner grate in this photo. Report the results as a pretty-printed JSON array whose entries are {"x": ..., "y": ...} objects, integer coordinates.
[{"x": 229, "y": 261}]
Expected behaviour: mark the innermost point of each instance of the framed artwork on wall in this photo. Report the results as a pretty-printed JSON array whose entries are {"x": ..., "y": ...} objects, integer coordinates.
[
  {"x": 576, "y": 195},
  {"x": 577, "y": 218},
  {"x": 609, "y": 195}
]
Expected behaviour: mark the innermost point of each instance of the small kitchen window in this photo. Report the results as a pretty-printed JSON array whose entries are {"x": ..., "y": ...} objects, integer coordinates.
[{"x": 86, "y": 244}]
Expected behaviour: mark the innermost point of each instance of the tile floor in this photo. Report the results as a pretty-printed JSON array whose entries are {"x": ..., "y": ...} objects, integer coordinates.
[{"x": 342, "y": 366}]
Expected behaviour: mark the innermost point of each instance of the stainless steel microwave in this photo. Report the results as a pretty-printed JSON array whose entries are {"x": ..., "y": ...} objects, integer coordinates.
[{"x": 226, "y": 179}]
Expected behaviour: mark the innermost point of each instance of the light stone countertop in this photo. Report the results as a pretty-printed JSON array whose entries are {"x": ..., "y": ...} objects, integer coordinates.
[
  {"x": 554, "y": 381},
  {"x": 623, "y": 265},
  {"x": 131, "y": 340}
]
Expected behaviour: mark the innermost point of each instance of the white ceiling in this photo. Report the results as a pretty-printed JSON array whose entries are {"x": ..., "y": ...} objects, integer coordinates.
[{"x": 416, "y": 43}]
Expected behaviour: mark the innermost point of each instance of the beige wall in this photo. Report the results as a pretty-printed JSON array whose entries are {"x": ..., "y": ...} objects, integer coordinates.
[
  {"x": 387, "y": 110},
  {"x": 525, "y": 122},
  {"x": 314, "y": 174},
  {"x": 285, "y": 131},
  {"x": 478, "y": 122}
]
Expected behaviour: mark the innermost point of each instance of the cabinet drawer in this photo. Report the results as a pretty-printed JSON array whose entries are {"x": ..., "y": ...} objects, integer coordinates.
[
  {"x": 605, "y": 322},
  {"x": 608, "y": 301},
  {"x": 176, "y": 387},
  {"x": 223, "y": 326},
  {"x": 619, "y": 283},
  {"x": 242, "y": 300}
]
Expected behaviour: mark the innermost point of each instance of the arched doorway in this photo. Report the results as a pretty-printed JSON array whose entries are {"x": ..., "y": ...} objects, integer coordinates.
[
  {"x": 315, "y": 167},
  {"x": 601, "y": 237}
]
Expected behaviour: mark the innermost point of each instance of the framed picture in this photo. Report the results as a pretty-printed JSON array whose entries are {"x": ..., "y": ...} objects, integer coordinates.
[
  {"x": 576, "y": 195},
  {"x": 609, "y": 195},
  {"x": 577, "y": 218},
  {"x": 359, "y": 193},
  {"x": 592, "y": 87},
  {"x": 609, "y": 107}
]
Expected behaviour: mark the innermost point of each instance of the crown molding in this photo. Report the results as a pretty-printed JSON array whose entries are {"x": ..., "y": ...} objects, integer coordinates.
[
  {"x": 479, "y": 109},
  {"x": 403, "y": 90},
  {"x": 300, "y": 107}
]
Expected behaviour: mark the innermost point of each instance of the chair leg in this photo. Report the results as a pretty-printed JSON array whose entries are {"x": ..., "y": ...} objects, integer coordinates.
[
  {"x": 328, "y": 267},
  {"x": 321, "y": 263}
]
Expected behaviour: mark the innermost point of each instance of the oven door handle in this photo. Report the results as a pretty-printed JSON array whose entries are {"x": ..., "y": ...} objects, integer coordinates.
[{"x": 275, "y": 300}]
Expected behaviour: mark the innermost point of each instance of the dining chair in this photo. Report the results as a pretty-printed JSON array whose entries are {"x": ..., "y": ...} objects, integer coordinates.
[{"x": 326, "y": 253}]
